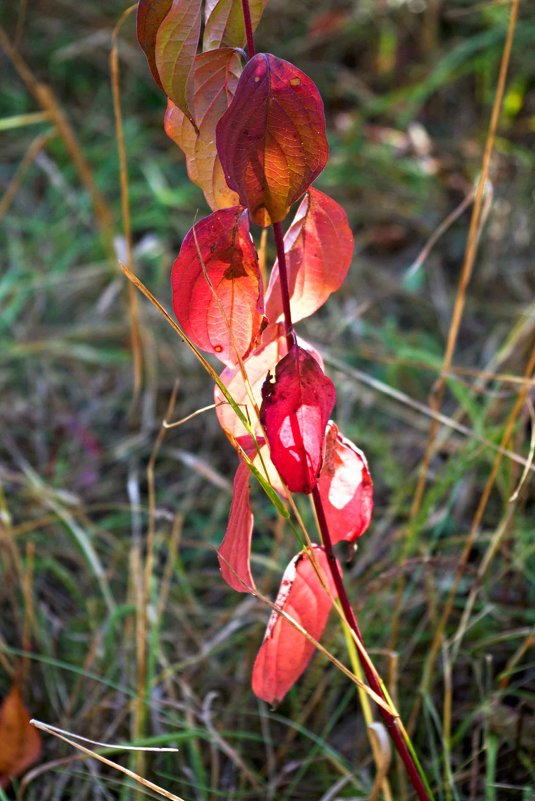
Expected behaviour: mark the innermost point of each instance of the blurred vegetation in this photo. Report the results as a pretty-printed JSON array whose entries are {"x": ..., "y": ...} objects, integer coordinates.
[{"x": 408, "y": 87}]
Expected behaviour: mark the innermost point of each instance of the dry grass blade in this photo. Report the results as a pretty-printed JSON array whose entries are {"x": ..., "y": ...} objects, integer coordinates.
[
  {"x": 130, "y": 773},
  {"x": 49, "y": 103},
  {"x": 34, "y": 149},
  {"x": 384, "y": 748},
  {"x": 133, "y": 306},
  {"x": 437, "y": 417},
  {"x": 470, "y": 541},
  {"x": 49, "y": 728},
  {"x": 469, "y": 258}
]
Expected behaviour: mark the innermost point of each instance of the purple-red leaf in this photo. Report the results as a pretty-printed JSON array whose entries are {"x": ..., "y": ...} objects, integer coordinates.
[
  {"x": 235, "y": 551},
  {"x": 295, "y": 410},
  {"x": 318, "y": 247},
  {"x": 258, "y": 364},
  {"x": 215, "y": 77},
  {"x": 271, "y": 140},
  {"x": 286, "y": 652},
  {"x": 224, "y": 22},
  {"x": 150, "y": 15},
  {"x": 345, "y": 487},
  {"x": 177, "y": 39},
  {"x": 217, "y": 286}
]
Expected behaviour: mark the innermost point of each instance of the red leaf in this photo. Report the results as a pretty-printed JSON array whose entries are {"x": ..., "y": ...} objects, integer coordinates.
[
  {"x": 345, "y": 487},
  {"x": 271, "y": 140},
  {"x": 20, "y": 743},
  {"x": 217, "y": 287},
  {"x": 224, "y": 22},
  {"x": 318, "y": 247},
  {"x": 150, "y": 15},
  {"x": 215, "y": 77},
  {"x": 286, "y": 652},
  {"x": 235, "y": 551},
  {"x": 177, "y": 39},
  {"x": 295, "y": 411},
  {"x": 257, "y": 365}
]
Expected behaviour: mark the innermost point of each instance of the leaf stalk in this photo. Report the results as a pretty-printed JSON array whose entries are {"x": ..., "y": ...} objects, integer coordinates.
[{"x": 248, "y": 28}]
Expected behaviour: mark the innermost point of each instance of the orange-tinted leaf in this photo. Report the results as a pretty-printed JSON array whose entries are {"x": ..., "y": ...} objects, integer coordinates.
[
  {"x": 20, "y": 743},
  {"x": 181, "y": 131},
  {"x": 215, "y": 77},
  {"x": 286, "y": 652},
  {"x": 217, "y": 287},
  {"x": 224, "y": 22},
  {"x": 150, "y": 15},
  {"x": 345, "y": 487},
  {"x": 177, "y": 40},
  {"x": 318, "y": 247},
  {"x": 295, "y": 409},
  {"x": 235, "y": 552},
  {"x": 257, "y": 365},
  {"x": 271, "y": 140}
]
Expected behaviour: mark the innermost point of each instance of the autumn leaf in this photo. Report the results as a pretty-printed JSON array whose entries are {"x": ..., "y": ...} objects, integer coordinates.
[
  {"x": 150, "y": 15},
  {"x": 345, "y": 487},
  {"x": 224, "y": 22},
  {"x": 20, "y": 743},
  {"x": 258, "y": 364},
  {"x": 177, "y": 39},
  {"x": 319, "y": 248},
  {"x": 271, "y": 140},
  {"x": 215, "y": 77},
  {"x": 217, "y": 287},
  {"x": 295, "y": 409},
  {"x": 285, "y": 651},
  {"x": 235, "y": 551}
]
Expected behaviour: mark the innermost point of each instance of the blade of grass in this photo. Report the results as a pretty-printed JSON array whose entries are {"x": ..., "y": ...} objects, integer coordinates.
[{"x": 133, "y": 307}]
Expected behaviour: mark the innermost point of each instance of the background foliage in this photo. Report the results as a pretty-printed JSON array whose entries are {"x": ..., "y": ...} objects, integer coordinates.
[{"x": 408, "y": 88}]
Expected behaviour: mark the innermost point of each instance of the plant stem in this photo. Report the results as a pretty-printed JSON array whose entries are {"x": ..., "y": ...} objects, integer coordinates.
[
  {"x": 285, "y": 292},
  {"x": 388, "y": 719},
  {"x": 248, "y": 27},
  {"x": 373, "y": 680}
]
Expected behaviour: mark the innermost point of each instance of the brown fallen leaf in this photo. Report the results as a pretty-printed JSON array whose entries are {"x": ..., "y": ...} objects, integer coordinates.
[{"x": 20, "y": 743}]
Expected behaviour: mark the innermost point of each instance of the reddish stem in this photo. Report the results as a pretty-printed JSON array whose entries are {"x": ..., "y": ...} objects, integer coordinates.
[
  {"x": 285, "y": 292},
  {"x": 373, "y": 681},
  {"x": 248, "y": 27}
]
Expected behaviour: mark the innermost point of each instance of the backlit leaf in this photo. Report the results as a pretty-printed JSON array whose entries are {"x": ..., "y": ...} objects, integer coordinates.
[
  {"x": 217, "y": 287},
  {"x": 258, "y": 364},
  {"x": 271, "y": 140},
  {"x": 286, "y": 652},
  {"x": 20, "y": 743},
  {"x": 319, "y": 248},
  {"x": 215, "y": 77},
  {"x": 177, "y": 40},
  {"x": 150, "y": 15},
  {"x": 345, "y": 487},
  {"x": 295, "y": 409},
  {"x": 235, "y": 551},
  {"x": 224, "y": 22}
]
